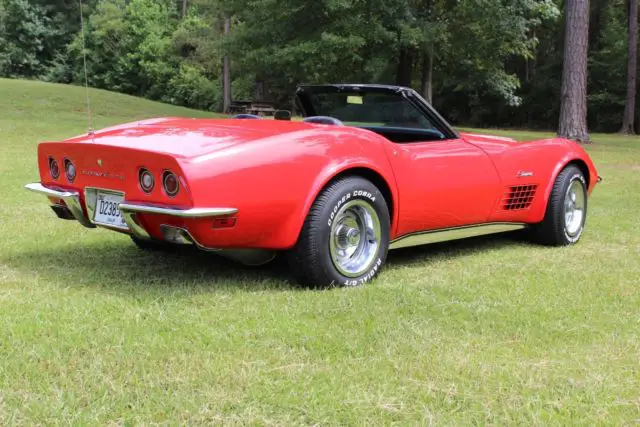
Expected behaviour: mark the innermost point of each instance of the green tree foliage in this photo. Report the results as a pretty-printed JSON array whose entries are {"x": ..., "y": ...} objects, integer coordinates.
[
  {"x": 34, "y": 35},
  {"x": 144, "y": 48},
  {"x": 477, "y": 67},
  {"x": 488, "y": 62},
  {"x": 24, "y": 31},
  {"x": 128, "y": 46}
]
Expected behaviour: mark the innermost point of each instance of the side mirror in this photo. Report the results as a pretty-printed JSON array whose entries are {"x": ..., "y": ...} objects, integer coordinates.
[{"x": 282, "y": 115}]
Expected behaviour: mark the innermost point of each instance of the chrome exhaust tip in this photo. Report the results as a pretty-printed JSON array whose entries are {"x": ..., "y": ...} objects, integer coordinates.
[
  {"x": 63, "y": 212},
  {"x": 176, "y": 235},
  {"x": 248, "y": 257}
]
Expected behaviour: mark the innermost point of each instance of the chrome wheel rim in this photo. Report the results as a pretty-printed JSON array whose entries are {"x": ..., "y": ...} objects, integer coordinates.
[
  {"x": 574, "y": 208},
  {"x": 355, "y": 238}
]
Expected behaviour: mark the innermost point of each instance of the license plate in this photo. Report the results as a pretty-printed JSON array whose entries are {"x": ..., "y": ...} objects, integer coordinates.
[{"x": 107, "y": 211}]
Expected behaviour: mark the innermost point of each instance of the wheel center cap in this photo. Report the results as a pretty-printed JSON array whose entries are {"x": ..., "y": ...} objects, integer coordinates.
[
  {"x": 353, "y": 237},
  {"x": 348, "y": 237}
]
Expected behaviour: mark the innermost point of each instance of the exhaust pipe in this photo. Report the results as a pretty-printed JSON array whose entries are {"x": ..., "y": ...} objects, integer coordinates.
[{"x": 248, "y": 257}]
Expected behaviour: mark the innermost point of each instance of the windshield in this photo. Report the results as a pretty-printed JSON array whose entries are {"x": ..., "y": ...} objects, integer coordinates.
[
  {"x": 396, "y": 113},
  {"x": 372, "y": 109}
]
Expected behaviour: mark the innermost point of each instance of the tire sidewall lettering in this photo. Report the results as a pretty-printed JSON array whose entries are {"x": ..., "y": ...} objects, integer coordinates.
[
  {"x": 574, "y": 239},
  {"x": 360, "y": 194},
  {"x": 579, "y": 177},
  {"x": 364, "y": 194},
  {"x": 337, "y": 206},
  {"x": 371, "y": 197},
  {"x": 366, "y": 277}
]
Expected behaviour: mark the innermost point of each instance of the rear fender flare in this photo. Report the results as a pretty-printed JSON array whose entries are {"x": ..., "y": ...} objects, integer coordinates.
[{"x": 331, "y": 172}]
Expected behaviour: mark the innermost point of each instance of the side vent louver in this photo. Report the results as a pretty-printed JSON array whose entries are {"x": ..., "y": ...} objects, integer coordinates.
[{"x": 519, "y": 197}]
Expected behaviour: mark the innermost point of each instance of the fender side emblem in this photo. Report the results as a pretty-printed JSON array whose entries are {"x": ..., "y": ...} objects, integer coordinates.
[
  {"x": 99, "y": 162},
  {"x": 524, "y": 174}
]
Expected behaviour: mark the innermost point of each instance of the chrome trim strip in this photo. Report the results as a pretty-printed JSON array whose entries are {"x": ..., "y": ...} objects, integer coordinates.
[
  {"x": 39, "y": 188},
  {"x": 70, "y": 198},
  {"x": 454, "y": 233},
  {"x": 181, "y": 213}
]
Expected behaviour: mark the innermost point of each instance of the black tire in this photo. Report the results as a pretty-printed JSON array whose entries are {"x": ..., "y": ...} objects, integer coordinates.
[
  {"x": 152, "y": 245},
  {"x": 311, "y": 261},
  {"x": 555, "y": 230}
]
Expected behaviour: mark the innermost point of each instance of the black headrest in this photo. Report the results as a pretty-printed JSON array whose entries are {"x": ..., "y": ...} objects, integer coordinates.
[
  {"x": 246, "y": 116},
  {"x": 323, "y": 120}
]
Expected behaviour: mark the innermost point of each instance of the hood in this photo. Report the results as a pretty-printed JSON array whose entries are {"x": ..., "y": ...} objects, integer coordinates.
[{"x": 182, "y": 137}]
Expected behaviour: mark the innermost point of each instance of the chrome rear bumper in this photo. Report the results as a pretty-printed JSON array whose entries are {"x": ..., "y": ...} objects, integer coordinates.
[
  {"x": 128, "y": 210},
  {"x": 182, "y": 213},
  {"x": 70, "y": 198}
]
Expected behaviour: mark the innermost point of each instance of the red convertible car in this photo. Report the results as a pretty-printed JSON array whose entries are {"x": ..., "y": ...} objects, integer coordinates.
[{"x": 370, "y": 168}]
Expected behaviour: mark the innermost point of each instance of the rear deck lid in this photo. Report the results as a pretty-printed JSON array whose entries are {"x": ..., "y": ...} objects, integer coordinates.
[{"x": 188, "y": 137}]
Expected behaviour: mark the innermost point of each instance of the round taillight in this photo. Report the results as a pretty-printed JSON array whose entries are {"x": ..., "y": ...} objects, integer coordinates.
[
  {"x": 170, "y": 183},
  {"x": 69, "y": 170},
  {"x": 54, "y": 168},
  {"x": 147, "y": 182}
]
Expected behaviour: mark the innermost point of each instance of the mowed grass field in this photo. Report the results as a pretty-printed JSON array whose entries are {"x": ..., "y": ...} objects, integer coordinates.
[{"x": 484, "y": 331}]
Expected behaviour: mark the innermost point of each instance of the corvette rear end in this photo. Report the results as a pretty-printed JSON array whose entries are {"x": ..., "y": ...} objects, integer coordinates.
[{"x": 139, "y": 192}]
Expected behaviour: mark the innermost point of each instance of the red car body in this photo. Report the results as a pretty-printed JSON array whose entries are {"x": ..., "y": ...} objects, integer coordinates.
[{"x": 259, "y": 178}]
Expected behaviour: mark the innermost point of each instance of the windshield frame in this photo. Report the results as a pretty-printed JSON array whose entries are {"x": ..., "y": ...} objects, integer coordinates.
[{"x": 304, "y": 92}]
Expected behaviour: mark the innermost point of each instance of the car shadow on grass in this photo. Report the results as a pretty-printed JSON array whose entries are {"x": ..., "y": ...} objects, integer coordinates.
[
  {"x": 117, "y": 265},
  {"x": 123, "y": 266},
  {"x": 419, "y": 255}
]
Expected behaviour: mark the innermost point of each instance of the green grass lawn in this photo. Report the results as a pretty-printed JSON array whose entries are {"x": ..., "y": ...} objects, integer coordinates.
[{"x": 486, "y": 331}]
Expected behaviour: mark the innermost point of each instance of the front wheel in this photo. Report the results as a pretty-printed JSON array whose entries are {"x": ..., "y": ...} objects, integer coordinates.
[
  {"x": 345, "y": 237},
  {"x": 566, "y": 213}
]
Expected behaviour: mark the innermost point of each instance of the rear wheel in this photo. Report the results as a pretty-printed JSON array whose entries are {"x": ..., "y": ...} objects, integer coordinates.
[
  {"x": 566, "y": 213},
  {"x": 345, "y": 237}
]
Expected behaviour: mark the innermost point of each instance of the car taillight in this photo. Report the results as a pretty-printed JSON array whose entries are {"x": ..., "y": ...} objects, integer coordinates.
[
  {"x": 147, "y": 182},
  {"x": 69, "y": 170},
  {"x": 170, "y": 183},
  {"x": 54, "y": 168}
]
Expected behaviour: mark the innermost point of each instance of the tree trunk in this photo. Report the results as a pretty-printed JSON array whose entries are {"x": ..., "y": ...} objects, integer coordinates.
[
  {"x": 632, "y": 67},
  {"x": 184, "y": 8},
  {"x": 405, "y": 68},
  {"x": 426, "y": 87},
  {"x": 226, "y": 73},
  {"x": 260, "y": 90},
  {"x": 573, "y": 107},
  {"x": 534, "y": 61},
  {"x": 530, "y": 63}
]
